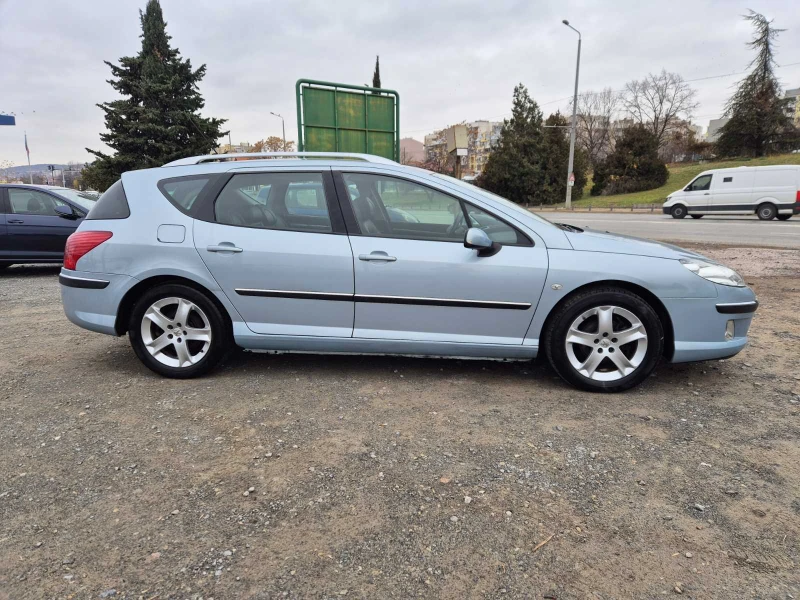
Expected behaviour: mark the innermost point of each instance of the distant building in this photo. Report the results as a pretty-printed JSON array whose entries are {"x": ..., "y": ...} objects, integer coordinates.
[
  {"x": 714, "y": 126},
  {"x": 794, "y": 95},
  {"x": 482, "y": 137},
  {"x": 235, "y": 148},
  {"x": 411, "y": 151}
]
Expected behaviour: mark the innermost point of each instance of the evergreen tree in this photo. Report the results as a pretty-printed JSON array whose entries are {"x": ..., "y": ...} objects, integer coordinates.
[
  {"x": 529, "y": 163},
  {"x": 158, "y": 119},
  {"x": 759, "y": 118},
  {"x": 633, "y": 166},
  {"x": 376, "y": 76}
]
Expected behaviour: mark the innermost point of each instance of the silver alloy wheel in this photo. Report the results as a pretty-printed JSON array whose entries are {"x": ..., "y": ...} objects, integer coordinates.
[
  {"x": 179, "y": 340},
  {"x": 606, "y": 343}
]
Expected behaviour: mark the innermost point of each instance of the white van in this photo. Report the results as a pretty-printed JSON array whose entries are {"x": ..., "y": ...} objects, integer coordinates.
[{"x": 768, "y": 192}]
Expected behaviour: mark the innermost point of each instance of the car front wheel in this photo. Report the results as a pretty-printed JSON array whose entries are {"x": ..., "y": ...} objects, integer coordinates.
[
  {"x": 678, "y": 211},
  {"x": 178, "y": 331},
  {"x": 604, "y": 340}
]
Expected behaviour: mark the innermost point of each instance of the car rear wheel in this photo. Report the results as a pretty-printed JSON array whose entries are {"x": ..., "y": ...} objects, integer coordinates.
[
  {"x": 697, "y": 216},
  {"x": 178, "y": 331},
  {"x": 784, "y": 217},
  {"x": 604, "y": 340},
  {"x": 678, "y": 211},
  {"x": 767, "y": 212}
]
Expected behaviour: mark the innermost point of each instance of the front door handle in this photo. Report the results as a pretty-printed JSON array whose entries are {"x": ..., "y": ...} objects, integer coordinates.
[
  {"x": 707, "y": 194},
  {"x": 224, "y": 247},
  {"x": 377, "y": 256},
  {"x": 16, "y": 221}
]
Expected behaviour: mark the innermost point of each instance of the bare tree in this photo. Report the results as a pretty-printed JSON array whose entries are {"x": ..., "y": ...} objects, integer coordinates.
[
  {"x": 596, "y": 112},
  {"x": 659, "y": 102}
]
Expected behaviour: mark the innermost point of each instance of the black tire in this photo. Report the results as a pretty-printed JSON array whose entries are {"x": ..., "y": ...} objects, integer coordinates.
[
  {"x": 767, "y": 211},
  {"x": 678, "y": 211},
  {"x": 555, "y": 336},
  {"x": 784, "y": 217},
  {"x": 696, "y": 216},
  {"x": 221, "y": 336}
]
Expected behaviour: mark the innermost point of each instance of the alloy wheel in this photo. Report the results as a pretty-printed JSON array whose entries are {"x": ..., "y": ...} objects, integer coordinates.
[
  {"x": 606, "y": 343},
  {"x": 176, "y": 332}
]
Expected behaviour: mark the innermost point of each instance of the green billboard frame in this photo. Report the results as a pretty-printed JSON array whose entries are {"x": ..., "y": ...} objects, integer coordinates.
[{"x": 338, "y": 117}]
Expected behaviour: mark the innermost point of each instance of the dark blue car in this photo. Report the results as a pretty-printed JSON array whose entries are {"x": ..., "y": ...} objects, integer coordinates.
[{"x": 36, "y": 220}]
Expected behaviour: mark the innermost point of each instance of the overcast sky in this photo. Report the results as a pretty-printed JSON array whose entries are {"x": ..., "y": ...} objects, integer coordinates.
[{"x": 450, "y": 61}]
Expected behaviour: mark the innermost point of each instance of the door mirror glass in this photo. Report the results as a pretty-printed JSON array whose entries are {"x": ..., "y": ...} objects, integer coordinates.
[
  {"x": 477, "y": 239},
  {"x": 62, "y": 210}
]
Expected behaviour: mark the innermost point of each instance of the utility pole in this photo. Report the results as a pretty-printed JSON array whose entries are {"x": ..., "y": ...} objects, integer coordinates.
[
  {"x": 570, "y": 175},
  {"x": 283, "y": 126}
]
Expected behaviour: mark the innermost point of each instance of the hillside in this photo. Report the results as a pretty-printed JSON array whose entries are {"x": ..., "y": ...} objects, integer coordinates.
[{"x": 680, "y": 175}]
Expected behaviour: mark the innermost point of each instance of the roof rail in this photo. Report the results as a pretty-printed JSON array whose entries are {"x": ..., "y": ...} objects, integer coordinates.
[{"x": 196, "y": 160}]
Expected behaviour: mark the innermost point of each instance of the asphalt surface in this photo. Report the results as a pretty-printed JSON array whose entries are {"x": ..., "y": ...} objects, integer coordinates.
[{"x": 741, "y": 230}]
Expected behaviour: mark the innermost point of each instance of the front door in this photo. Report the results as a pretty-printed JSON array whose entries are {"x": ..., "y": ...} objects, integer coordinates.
[
  {"x": 698, "y": 194},
  {"x": 280, "y": 258},
  {"x": 415, "y": 280},
  {"x": 35, "y": 230}
]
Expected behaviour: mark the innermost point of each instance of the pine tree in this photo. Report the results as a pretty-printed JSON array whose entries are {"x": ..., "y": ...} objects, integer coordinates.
[
  {"x": 158, "y": 119},
  {"x": 376, "y": 76},
  {"x": 633, "y": 166},
  {"x": 529, "y": 164},
  {"x": 759, "y": 118}
]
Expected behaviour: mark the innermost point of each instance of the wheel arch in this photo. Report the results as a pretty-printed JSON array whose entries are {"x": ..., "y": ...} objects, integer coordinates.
[
  {"x": 132, "y": 295},
  {"x": 647, "y": 295},
  {"x": 766, "y": 200}
]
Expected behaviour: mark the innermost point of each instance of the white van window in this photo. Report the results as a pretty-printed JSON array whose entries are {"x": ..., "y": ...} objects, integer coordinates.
[
  {"x": 701, "y": 183},
  {"x": 727, "y": 180}
]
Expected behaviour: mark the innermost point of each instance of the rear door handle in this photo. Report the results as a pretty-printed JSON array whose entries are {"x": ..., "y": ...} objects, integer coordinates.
[
  {"x": 707, "y": 194},
  {"x": 224, "y": 247},
  {"x": 377, "y": 256},
  {"x": 16, "y": 221}
]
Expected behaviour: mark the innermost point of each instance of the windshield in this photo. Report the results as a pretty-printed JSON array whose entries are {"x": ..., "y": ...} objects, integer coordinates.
[
  {"x": 82, "y": 199},
  {"x": 468, "y": 187}
]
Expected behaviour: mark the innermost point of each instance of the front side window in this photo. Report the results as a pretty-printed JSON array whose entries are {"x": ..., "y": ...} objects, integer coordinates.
[
  {"x": 288, "y": 201},
  {"x": 33, "y": 202},
  {"x": 389, "y": 207},
  {"x": 700, "y": 184}
]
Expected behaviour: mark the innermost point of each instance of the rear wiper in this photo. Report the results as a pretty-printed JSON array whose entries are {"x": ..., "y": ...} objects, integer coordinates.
[{"x": 568, "y": 227}]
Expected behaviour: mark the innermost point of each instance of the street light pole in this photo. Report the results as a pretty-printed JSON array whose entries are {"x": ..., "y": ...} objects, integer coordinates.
[
  {"x": 283, "y": 126},
  {"x": 570, "y": 176}
]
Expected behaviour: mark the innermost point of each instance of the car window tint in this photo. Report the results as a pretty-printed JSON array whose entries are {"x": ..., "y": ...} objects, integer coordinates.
[
  {"x": 183, "y": 191},
  {"x": 288, "y": 201},
  {"x": 389, "y": 207},
  {"x": 113, "y": 204},
  {"x": 701, "y": 183},
  {"x": 33, "y": 202},
  {"x": 497, "y": 230}
]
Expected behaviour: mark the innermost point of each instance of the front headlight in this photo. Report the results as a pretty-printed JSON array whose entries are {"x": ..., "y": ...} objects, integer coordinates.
[{"x": 713, "y": 272}]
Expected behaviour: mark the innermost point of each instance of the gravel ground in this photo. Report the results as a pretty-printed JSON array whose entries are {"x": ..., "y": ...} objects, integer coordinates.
[{"x": 329, "y": 477}]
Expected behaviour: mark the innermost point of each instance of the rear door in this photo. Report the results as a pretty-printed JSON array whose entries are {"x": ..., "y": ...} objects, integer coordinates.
[
  {"x": 415, "y": 280},
  {"x": 732, "y": 191},
  {"x": 35, "y": 230},
  {"x": 280, "y": 254}
]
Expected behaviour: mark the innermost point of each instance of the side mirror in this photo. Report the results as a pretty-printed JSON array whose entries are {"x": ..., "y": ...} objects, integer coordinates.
[
  {"x": 65, "y": 212},
  {"x": 478, "y": 240}
]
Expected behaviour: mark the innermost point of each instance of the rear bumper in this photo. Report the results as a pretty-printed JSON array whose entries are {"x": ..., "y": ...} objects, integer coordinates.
[
  {"x": 699, "y": 324},
  {"x": 91, "y": 300}
]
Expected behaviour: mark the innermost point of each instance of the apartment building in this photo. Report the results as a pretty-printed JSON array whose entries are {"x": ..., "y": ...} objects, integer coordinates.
[{"x": 482, "y": 137}]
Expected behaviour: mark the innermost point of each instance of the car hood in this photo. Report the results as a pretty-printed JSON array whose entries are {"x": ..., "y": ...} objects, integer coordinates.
[{"x": 591, "y": 240}]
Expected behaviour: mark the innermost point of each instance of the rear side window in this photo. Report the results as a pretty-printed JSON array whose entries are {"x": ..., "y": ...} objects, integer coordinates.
[
  {"x": 113, "y": 204},
  {"x": 182, "y": 192}
]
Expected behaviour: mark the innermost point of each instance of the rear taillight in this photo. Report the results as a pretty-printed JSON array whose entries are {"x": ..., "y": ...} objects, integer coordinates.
[
  {"x": 797, "y": 198},
  {"x": 81, "y": 242}
]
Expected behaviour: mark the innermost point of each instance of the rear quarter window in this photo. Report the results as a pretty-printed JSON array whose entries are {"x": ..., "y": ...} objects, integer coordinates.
[
  {"x": 183, "y": 192},
  {"x": 113, "y": 204}
]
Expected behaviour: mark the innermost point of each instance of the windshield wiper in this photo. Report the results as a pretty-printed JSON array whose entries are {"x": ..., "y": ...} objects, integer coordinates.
[{"x": 568, "y": 227}]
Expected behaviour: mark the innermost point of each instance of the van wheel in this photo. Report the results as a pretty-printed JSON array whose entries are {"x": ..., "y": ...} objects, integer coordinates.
[
  {"x": 178, "y": 332},
  {"x": 767, "y": 212},
  {"x": 678, "y": 211},
  {"x": 605, "y": 339},
  {"x": 784, "y": 217},
  {"x": 696, "y": 216}
]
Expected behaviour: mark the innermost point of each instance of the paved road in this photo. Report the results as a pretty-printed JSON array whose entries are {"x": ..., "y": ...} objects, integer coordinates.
[{"x": 714, "y": 229}]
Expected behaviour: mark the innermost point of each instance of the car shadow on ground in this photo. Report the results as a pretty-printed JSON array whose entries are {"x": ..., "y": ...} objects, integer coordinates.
[{"x": 30, "y": 271}]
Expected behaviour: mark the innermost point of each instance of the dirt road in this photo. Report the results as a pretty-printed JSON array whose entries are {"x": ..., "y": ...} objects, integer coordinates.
[{"x": 308, "y": 476}]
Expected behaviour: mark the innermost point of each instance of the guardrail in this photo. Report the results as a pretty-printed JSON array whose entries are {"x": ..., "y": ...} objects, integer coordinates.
[{"x": 604, "y": 207}]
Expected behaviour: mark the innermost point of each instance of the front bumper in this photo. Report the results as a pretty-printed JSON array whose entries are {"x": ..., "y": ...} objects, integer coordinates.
[
  {"x": 699, "y": 324},
  {"x": 91, "y": 300},
  {"x": 666, "y": 209}
]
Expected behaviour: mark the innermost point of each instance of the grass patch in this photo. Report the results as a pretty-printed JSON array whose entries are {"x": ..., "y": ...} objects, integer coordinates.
[{"x": 679, "y": 176}]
